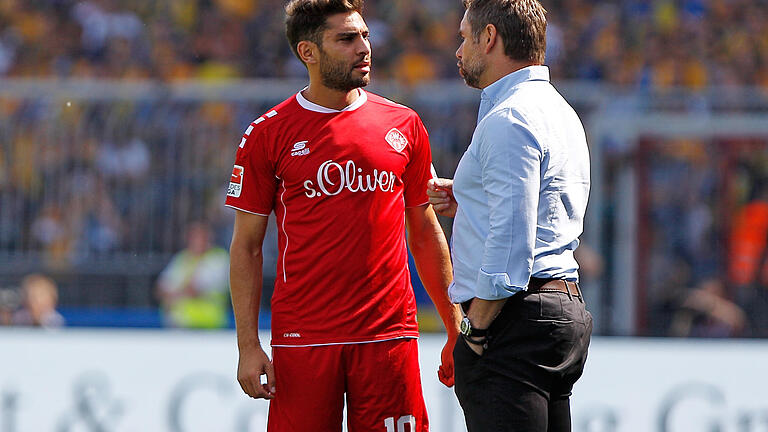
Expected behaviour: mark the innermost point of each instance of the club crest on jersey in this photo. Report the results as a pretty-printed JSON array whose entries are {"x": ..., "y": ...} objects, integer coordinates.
[
  {"x": 396, "y": 139},
  {"x": 300, "y": 149},
  {"x": 236, "y": 182}
]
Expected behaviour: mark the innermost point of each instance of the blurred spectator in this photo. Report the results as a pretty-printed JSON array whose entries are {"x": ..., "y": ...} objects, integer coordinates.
[
  {"x": 127, "y": 160},
  {"x": 194, "y": 287},
  {"x": 748, "y": 238},
  {"x": 40, "y": 297},
  {"x": 50, "y": 231},
  {"x": 748, "y": 255},
  {"x": 705, "y": 312},
  {"x": 9, "y": 302}
]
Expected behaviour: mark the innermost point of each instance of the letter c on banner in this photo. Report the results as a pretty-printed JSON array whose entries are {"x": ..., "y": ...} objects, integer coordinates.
[
  {"x": 188, "y": 385},
  {"x": 687, "y": 392}
]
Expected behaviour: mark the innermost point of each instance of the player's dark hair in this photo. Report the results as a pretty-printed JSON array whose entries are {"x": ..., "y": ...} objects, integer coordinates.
[
  {"x": 522, "y": 25},
  {"x": 305, "y": 20}
]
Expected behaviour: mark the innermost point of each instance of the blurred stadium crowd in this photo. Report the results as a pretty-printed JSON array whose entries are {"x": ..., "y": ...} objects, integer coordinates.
[
  {"x": 659, "y": 43},
  {"x": 99, "y": 184}
]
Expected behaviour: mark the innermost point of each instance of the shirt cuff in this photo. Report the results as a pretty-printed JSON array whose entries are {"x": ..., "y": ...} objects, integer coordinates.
[{"x": 495, "y": 286}]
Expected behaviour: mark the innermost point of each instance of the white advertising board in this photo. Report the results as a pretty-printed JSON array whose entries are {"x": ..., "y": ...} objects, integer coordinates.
[{"x": 157, "y": 381}]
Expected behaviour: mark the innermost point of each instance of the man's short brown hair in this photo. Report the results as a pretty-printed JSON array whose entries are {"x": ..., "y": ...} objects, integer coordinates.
[
  {"x": 522, "y": 25},
  {"x": 306, "y": 19}
]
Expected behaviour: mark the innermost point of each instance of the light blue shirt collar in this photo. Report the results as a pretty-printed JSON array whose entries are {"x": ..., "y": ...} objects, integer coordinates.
[{"x": 499, "y": 90}]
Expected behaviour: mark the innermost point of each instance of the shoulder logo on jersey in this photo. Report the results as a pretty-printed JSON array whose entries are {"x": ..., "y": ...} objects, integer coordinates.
[
  {"x": 300, "y": 149},
  {"x": 396, "y": 139},
  {"x": 236, "y": 182}
]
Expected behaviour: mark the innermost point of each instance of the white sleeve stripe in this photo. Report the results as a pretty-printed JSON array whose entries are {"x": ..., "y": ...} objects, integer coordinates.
[
  {"x": 245, "y": 211},
  {"x": 248, "y": 131},
  {"x": 271, "y": 114}
]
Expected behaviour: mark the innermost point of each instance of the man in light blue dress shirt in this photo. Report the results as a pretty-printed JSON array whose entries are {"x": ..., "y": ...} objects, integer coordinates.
[{"x": 518, "y": 197}]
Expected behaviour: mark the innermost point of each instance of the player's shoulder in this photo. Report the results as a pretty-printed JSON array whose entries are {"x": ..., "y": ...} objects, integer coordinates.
[
  {"x": 272, "y": 120},
  {"x": 383, "y": 102},
  {"x": 278, "y": 114}
]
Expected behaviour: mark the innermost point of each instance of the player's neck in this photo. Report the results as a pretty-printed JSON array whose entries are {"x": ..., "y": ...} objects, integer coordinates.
[{"x": 329, "y": 98}]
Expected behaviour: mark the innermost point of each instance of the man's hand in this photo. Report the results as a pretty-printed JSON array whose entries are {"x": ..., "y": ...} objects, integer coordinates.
[
  {"x": 445, "y": 371},
  {"x": 481, "y": 314},
  {"x": 440, "y": 193},
  {"x": 254, "y": 363}
]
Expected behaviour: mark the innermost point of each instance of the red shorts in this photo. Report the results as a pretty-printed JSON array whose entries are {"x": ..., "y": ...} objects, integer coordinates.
[{"x": 381, "y": 381}]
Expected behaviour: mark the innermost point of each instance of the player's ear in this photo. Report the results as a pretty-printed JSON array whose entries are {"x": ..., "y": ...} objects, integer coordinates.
[
  {"x": 490, "y": 37},
  {"x": 308, "y": 52}
]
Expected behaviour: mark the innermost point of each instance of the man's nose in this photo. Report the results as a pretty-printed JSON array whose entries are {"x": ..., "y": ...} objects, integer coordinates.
[{"x": 364, "y": 47}]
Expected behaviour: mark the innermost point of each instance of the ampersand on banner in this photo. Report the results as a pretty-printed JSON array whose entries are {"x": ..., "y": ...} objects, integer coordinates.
[{"x": 95, "y": 408}]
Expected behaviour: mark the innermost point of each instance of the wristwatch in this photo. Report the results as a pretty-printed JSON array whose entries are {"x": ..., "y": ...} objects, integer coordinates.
[{"x": 468, "y": 331}]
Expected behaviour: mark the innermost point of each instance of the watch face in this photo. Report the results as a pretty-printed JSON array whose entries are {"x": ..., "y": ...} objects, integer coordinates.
[{"x": 465, "y": 327}]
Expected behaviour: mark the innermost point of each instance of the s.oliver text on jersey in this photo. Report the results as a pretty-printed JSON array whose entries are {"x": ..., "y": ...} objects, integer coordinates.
[{"x": 333, "y": 178}]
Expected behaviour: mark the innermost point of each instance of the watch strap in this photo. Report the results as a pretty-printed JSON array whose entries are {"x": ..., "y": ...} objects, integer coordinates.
[
  {"x": 483, "y": 341},
  {"x": 476, "y": 332}
]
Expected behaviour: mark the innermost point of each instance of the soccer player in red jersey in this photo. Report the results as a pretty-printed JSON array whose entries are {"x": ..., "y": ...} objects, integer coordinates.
[{"x": 345, "y": 172}]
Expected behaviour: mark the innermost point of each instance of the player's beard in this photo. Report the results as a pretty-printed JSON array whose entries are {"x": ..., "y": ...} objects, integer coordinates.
[
  {"x": 337, "y": 75},
  {"x": 471, "y": 72}
]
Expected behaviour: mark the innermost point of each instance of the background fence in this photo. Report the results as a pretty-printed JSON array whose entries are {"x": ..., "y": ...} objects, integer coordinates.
[{"x": 99, "y": 178}]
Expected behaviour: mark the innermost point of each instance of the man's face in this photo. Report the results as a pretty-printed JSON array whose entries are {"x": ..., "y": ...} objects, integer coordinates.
[
  {"x": 471, "y": 63},
  {"x": 345, "y": 57}
]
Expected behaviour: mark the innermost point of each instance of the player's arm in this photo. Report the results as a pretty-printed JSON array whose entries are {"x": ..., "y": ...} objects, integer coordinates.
[
  {"x": 433, "y": 262},
  {"x": 245, "y": 274}
]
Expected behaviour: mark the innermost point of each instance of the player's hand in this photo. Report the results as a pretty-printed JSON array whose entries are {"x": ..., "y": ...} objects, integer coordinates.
[
  {"x": 445, "y": 371},
  {"x": 440, "y": 193},
  {"x": 254, "y": 363}
]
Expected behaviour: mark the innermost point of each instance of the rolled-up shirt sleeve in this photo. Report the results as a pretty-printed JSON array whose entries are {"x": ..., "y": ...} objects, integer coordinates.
[{"x": 511, "y": 162}]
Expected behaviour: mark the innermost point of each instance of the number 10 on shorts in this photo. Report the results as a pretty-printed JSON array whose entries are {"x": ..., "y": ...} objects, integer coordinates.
[{"x": 389, "y": 423}]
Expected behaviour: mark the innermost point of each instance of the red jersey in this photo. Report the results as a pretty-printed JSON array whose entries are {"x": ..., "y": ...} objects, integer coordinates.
[{"x": 339, "y": 183}]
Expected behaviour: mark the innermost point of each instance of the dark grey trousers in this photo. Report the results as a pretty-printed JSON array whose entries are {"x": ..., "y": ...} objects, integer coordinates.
[{"x": 522, "y": 382}]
